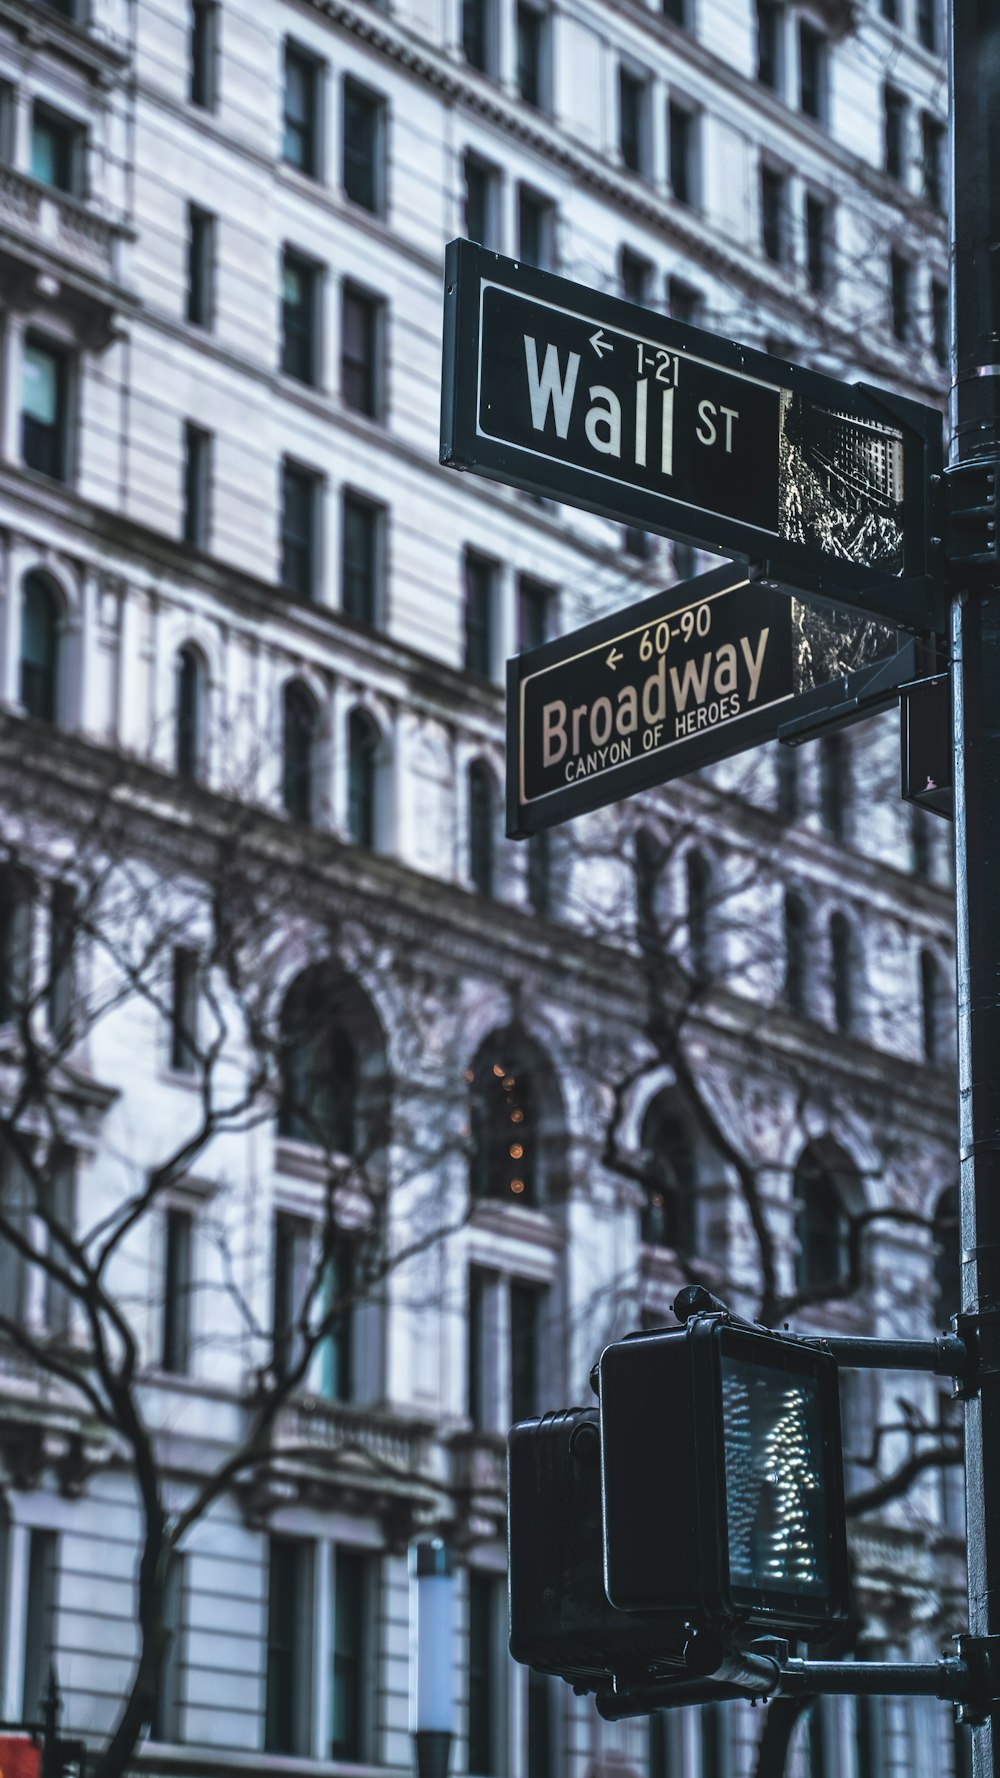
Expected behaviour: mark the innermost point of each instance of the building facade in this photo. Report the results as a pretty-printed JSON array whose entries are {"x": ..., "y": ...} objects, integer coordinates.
[{"x": 251, "y": 659}]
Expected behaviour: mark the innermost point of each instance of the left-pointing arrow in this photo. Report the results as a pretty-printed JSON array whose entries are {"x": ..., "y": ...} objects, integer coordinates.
[
  {"x": 614, "y": 657},
  {"x": 600, "y": 344}
]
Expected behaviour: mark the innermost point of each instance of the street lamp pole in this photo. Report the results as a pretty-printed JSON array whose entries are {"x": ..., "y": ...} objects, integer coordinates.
[{"x": 432, "y": 1633}]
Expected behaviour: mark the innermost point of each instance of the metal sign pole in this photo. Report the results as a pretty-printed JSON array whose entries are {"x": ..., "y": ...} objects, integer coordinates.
[{"x": 975, "y": 585}]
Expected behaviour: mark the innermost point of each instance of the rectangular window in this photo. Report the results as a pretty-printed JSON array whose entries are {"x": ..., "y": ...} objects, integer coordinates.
[
  {"x": 44, "y": 408},
  {"x": 300, "y": 142},
  {"x": 901, "y": 296},
  {"x": 681, "y": 147},
  {"x": 539, "y": 874},
  {"x": 486, "y": 1707},
  {"x": 480, "y": 1351},
  {"x": 676, "y": 11},
  {"x": 890, "y": 10},
  {"x": 299, "y": 515},
  {"x": 684, "y": 302},
  {"x": 354, "y": 1584},
  {"x": 62, "y": 935},
  {"x": 361, "y": 525},
  {"x": 200, "y": 266},
  {"x": 477, "y": 45},
  {"x": 638, "y": 543},
  {"x": 536, "y": 229},
  {"x": 197, "y": 485},
  {"x": 338, "y": 1349},
  {"x": 770, "y": 26},
  {"x": 894, "y": 111},
  {"x": 167, "y": 1705},
  {"x": 636, "y": 276},
  {"x": 534, "y": 611},
  {"x": 773, "y": 192},
  {"x": 58, "y": 1188},
  {"x": 531, "y": 23},
  {"x": 39, "y": 1629},
  {"x": 176, "y": 1353},
  {"x": 526, "y": 1302},
  {"x": 927, "y": 32},
  {"x": 364, "y": 147},
  {"x": 940, "y": 338},
  {"x": 184, "y": 1011},
  {"x": 932, "y": 144},
  {"x": 291, "y": 1280},
  {"x": 542, "y": 1761},
  {"x": 360, "y": 345},
  {"x": 632, "y": 120},
  {"x": 300, "y": 287},
  {"x": 56, "y": 150},
  {"x": 202, "y": 44},
  {"x": 817, "y": 242},
  {"x": 480, "y": 595},
  {"x": 289, "y": 1646},
  {"x": 482, "y": 196},
  {"x": 812, "y": 71}
]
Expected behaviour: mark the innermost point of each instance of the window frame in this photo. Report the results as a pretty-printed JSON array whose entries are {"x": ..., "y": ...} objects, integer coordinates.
[
  {"x": 203, "y": 55},
  {"x": 196, "y": 514},
  {"x": 199, "y": 306},
  {"x": 537, "y": 97},
  {"x": 633, "y": 120},
  {"x": 310, "y": 126},
  {"x": 370, "y": 370},
  {"x": 176, "y": 1330},
  {"x": 60, "y": 429},
  {"x": 683, "y": 152},
  {"x": 376, "y": 106},
  {"x": 479, "y": 632},
  {"x": 310, "y": 484},
  {"x": 369, "y": 610},
  {"x": 774, "y": 232},
  {"x": 70, "y": 140}
]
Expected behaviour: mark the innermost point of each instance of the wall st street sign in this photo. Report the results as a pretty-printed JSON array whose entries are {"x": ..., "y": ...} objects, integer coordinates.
[
  {"x": 692, "y": 675},
  {"x": 588, "y": 399}
]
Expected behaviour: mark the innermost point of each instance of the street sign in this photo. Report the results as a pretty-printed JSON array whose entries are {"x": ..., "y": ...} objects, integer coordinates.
[
  {"x": 692, "y": 675},
  {"x": 585, "y": 398}
]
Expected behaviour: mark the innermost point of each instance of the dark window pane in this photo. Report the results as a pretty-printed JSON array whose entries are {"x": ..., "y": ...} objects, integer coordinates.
[
  {"x": 481, "y": 824},
  {"x": 166, "y": 1713},
  {"x": 834, "y": 785},
  {"x": 176, "y": 1355},
  {"x": 699, "y": 893},
  {"x": 895, "y": 131},
  {"x": 822, "y": 1224},
  {"x": 319, "y": 1071},
  {"x": 940, "y": 336},
  {"x": 683, "y": 301},
  {"x": 636, "y": 276},
  {"x": 350, "y": 1654},
  {"x": 631, "y": 121},
  {"x": 530, "y": 38},
  {"x": 842, "y": 972},
  {"x": 534, "y": 604},
  {"x": 796, "y": 953},
  {"x": 200, "y": 251},
  {"x": 298, "y": 530},
  {"x": 676, "y": 10},
  {"x": 475, "y": 34},
  {"x": 480, "y": 579},
  {"x": 44, "y": 390},
  {"x": 362, "y": 753},
  {"x": 932, "y": 142},
  {"x": 769, "y": 25},
  {"x": 184, "y": 1011},
  {"x": 300, "y": 136},
  {"x": 62, "y": 938},
  {"x": 812, "y": 71},
  {"x": 772, "y": 212},
  {"x": 358, "y": 348},
  {"x": 360, "y": 541},
  {"x": 188, "y": 715},
  {"x": 201, "y": 54},
  {"x": 540, "y": 1725},
  {"x": 197, "y": 484},
  {"x": 299, "y": 306},
  {"x": 669, "y": 1212},
  {"x": 480, "y": 192},
  {"x": 479, "y": 1346},
  {"x": 299, "y": 725},
  {"x": 525, "y": 1334},
  {"x": 890, "y": 10},
  {"x": 483, "y": 1646},
  {"x": 15, "y": 944},
  {"x": 901, "y": 292},
  {"x": 817, "y": 223},
  {"x": 363, "y": 132},
  {"x": 39, "y": 1628},
  {"x": 338, "y": 1345},
  {"x": 927, "y": 23},
  {"x": 680, "y": 132},
  {"x": 39, "y": 649},
  {"x": 56, "y": 150},
  {"x": 931, "y": 1007},
  {"x": 535, "y": 228},
  {"x": 289, "y": 1611}
]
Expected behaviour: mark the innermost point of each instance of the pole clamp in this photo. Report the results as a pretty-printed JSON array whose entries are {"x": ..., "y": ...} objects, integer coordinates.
[
  {"x": 980, "y": 1692},
  {"x": 973, "y": 513}
]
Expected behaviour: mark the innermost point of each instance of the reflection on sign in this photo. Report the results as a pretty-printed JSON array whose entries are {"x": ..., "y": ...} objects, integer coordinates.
[{"x": 775, "y": 1504}]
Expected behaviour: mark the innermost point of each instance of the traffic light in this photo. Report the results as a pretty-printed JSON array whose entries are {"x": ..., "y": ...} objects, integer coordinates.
[{"x": 723, "y": 1479}]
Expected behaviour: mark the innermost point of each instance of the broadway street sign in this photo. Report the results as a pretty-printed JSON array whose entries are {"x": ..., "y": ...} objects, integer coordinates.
[
  {"x": 685, "y": 678},
  {"x": 585, "y": 398}
]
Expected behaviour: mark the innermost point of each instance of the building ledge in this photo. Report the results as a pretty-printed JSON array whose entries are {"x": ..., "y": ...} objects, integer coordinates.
[
  {"x": 102, "y": 57},
  {"x": 55, "y": 252}
]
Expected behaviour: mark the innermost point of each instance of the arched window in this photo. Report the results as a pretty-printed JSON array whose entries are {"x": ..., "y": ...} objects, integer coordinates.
[
  {"x": 947, "y": 1257},
  {"x": 823, "y": 1178},
  {"x": 333, "y": 1068},
  {"x": 668, "y": 1217},
  {"x": 699, "y": 919},
  {"x": 39, "y": 648},
  {"x": 842, "y": 972},
  {"x": 189, "y": 713},
  {"x": 517, "y": 1152},
  {"x": 796, "y": 953},
  {"x": 298, "y": 758},
  {"x": 482, "y": 820},
  {"x": 932, "y": 1008},
  {"x": 362, "y": 778}
]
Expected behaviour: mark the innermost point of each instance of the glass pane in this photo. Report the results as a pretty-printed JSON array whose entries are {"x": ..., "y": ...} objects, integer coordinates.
[
  {"x": 775, "y": 1498},
  {"x": 40, "y": 385}
]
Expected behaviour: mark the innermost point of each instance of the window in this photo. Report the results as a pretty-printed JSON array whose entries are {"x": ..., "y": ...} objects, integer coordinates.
[
  {"x": 534, "y": 608},
  {"x": 332, "y": 1065},
  {"x": 901, "y": 296},
  {"x": 927, "y": 32},
  {"x": 932, "y": 145},
  {"x": 39, "y": 1628},
  {"x": 684, "y": 301},
  {"x": 770, "y": 28},
  {"x": 15, "y": 944},
  {"x": 638, "y": 543},
  {"x": 787, "y": 775},
  {"x": 202, "y": 53},
  {"x": 540, "y": 874},
  {"x": 699, "y": 894},
  {"x": 167, "y": 1705},
  {"x": 354, "y": 1585},
  {"x": 486, "y": 1700},
  {"x": 200, "y": 266},
  {"x": 482, "y": 1344},
  {"x": 812, "y": 71},
  {"x": 517, "y": 1150},
  {"x": 481, "y": 578},
  {"x": 834, "y": 784},
  {"x": 299, "y": 732},
  {"x": 361, "y": 537},
  {"x": 340, "y": 1304},
  {"x": 817, "y": 247},
  {"x": 869, "y": 1760},
  {"x": 947, "y": 1256},
  {"x": 543, "y": 1716},
  {"x": 300, "y": 287},
  {"x": 526, "y": 1304},
  {"x": 668, "y": 1217},
  {"x": 685, "y": 558},
  {"x": 531, "y": 46},
  {"x": 636, "y": 276},
  {"x": 364, "y": 147},
  {"x": 773, "y": 210},
  {"x": 62, "y": 939},
  {"x": 477, "y": 39},
  {"x": 676, "y": 11},
  {"x": 482, "y": 820},
  {"x": 45, "y": 408},
  {"x": 933, "y": 1010},
  {"x": 189, "y": 714},
  {"x": 362, "y": 776},
  {"x": 40, "y": 627},
  {"x": 894, "y": 110},
  {"x": 842, "y": 970},
  {"x": 632, "y": 120},
  {"x": 890, "y": 10},
  {"x": 197, "y": 485},
  {"x": 289, "y": 1646},
  {"x": 821, "y": 1219},
  {"x": 299, "y": 515},
  {"x": 482, "y": 195},
  {"x": 56, "y": 150},
  {"x": 175, "y": 1355},
  {"x": 184, "y": 1010},
  {"x": 940, "y": 336},
  {"x": 300, "y": 142},
  {"x": 796, "y": 954},
  {"x": 360, "y": 343},
  {"x": 682, "y": 149},
  {"x": 536, "y": 228},
  {"x": 292, "y": 1271}
]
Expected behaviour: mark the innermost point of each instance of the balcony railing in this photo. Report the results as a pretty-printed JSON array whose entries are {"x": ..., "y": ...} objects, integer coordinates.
[
  {"x": 321, "y": 1431},
  {"x": 59, "y": 226}
]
